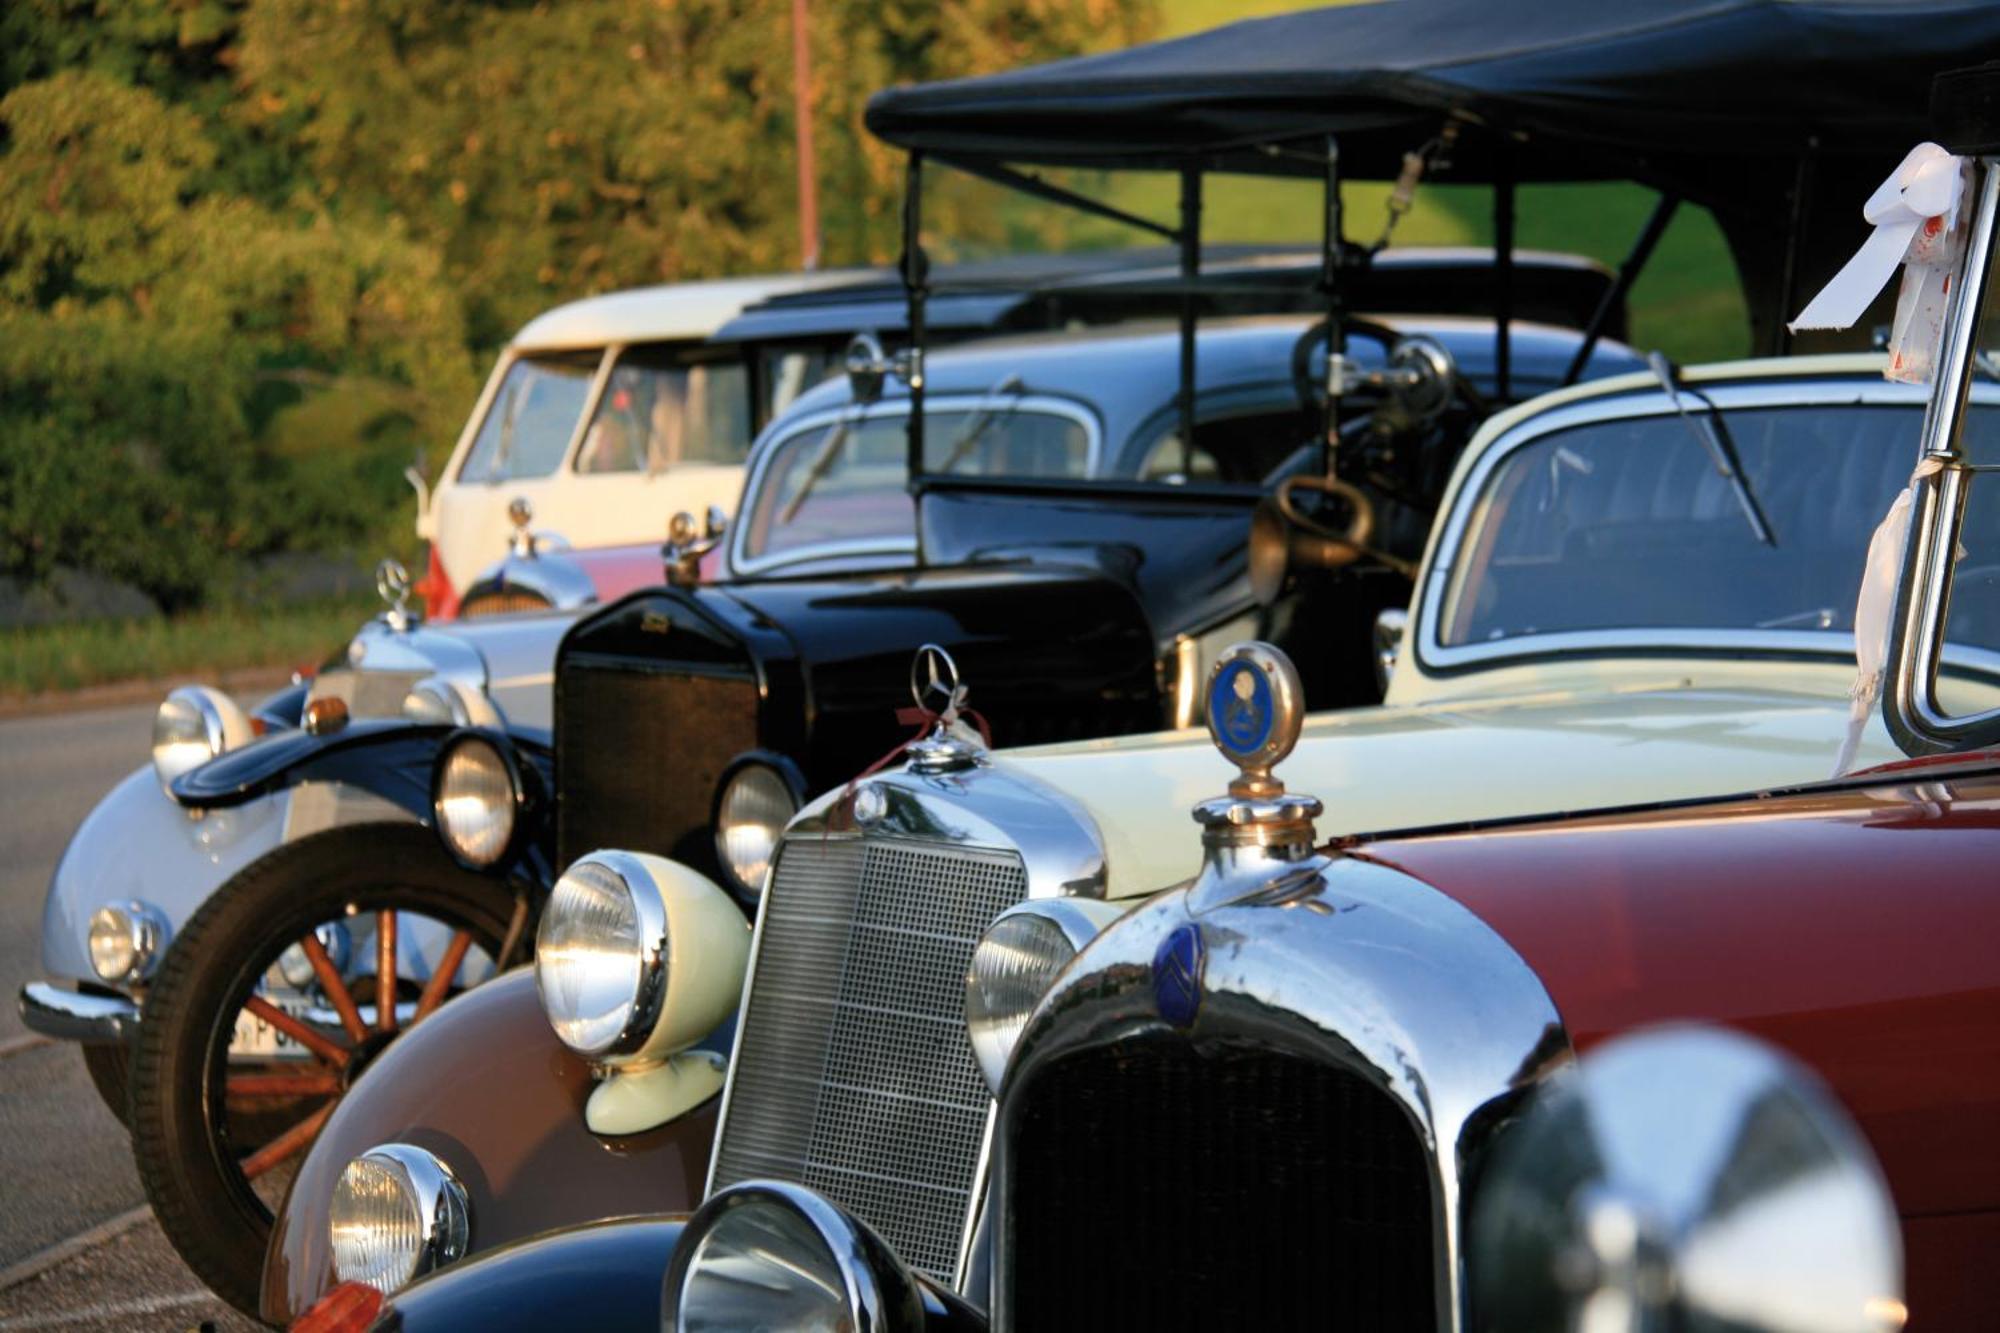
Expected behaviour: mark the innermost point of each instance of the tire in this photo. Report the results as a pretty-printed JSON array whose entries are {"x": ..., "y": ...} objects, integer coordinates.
[
  {"x": 110, "y": 1070},
  {"x": 192, "y": 1142}
]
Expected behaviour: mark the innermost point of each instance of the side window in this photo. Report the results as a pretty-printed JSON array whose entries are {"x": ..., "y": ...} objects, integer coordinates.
[
  {"x": 661, "y": 407},
  {"x": 1246, "y": 448},
  {"x": 790, "y": 371},
  {"x": 530, "y": 420}
]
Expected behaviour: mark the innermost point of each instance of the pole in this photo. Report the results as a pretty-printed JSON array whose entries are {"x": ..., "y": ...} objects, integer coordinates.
[
  {"x": 1190, "y": 270},
  {"x": 1621, "y": 286},
  {"x": 1331, "y": 240},
  {"x": 1503, "y": 272},
  {"x": 916, "y": 277},
  {"x": 803, "y": 120}
]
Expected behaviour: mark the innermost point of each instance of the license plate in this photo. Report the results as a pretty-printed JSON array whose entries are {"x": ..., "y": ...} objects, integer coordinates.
[{"x": 256, "y": 1039}]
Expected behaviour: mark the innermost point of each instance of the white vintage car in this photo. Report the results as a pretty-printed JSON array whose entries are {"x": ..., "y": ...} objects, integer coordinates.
[{"x": 608, "y": 414}]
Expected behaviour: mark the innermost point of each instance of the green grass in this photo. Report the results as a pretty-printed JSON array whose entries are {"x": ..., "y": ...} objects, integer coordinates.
[{"x": 99, "y": 652}]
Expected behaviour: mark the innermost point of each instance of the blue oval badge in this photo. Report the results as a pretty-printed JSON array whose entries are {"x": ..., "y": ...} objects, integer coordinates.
[
  {"x": 1177, "y": 969},
  {"x": 1240, "y": 708}
]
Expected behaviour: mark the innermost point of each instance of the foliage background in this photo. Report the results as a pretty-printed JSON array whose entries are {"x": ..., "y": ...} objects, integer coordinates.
[{"x": 255, "y": 254}]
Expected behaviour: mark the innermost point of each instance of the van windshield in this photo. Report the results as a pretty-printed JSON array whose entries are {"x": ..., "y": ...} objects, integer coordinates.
[
  {"x": 1628, "y": 524},
  {"x": 532, "y": 416}
]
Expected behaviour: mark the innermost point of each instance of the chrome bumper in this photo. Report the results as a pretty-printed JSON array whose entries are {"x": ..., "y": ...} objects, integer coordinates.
[{"x": 67, "y": 1015}]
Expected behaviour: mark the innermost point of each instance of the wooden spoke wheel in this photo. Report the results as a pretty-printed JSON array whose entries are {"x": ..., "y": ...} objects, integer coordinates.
[{"x": 274, "y": 998}]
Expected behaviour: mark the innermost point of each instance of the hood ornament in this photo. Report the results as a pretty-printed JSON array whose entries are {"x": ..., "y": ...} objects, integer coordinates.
[
  {"x": 939, "y": 695},
  {"x": 392, "y": 585},
  {"x": 686, "y": 544},
  {"x": 1255, "y": 709},
  {"x": 520, "y": 513}
]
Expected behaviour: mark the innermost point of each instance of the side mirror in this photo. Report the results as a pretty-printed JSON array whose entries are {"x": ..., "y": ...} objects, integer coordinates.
[
  {"x": 1391, "y": 622},
  {"x": 867, "y": 367}
]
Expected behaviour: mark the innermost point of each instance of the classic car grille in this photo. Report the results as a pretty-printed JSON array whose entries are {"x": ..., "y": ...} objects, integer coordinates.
[
  {"x": 853, "y": 1075},
  {"x": 501, "y": 601},
  {"x": 366, "y": 693},
  {"x": 1156, "y": 1185},
  {"x": 639, "y": 752}
]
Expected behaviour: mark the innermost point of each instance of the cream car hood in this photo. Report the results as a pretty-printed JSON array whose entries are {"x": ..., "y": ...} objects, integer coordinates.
[{"x": 1398, "y": 767}]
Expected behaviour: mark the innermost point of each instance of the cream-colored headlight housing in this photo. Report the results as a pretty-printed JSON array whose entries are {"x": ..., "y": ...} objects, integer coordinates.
[
  {"x": 636, "y": 959},
  {"x": 397, "y": 1213},
  {"x": 1017, "y": 959},
  {"x": 192, "y": 726}
]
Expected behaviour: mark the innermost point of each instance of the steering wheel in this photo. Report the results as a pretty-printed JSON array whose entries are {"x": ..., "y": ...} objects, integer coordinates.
[{"x": 1311, "y": 389}]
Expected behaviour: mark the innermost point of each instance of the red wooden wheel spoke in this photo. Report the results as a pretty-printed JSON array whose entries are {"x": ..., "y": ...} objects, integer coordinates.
[
  {"x": 297, "y": 1031},
  {"x": 286, "y": 1144},
  {"x": 313, "y": 1082},
  {"x": 335, "y": 988},
  {"x": 447, "y": 968},
  {"x": 385, "y": 971}
]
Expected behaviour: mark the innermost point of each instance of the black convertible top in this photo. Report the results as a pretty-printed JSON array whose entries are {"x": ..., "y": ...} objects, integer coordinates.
[{"x": 1663, "y": 78}]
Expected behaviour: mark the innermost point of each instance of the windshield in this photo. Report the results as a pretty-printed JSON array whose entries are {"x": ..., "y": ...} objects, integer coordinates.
[
  {"x": 846, "y": 481},
  {"x": 659, "y": 408},
  {"x": 530, "y": 421},
  {"x": 1627, "y": 524}
]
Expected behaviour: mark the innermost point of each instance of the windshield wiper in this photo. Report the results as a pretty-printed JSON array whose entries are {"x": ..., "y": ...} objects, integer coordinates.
[
  {"x": 1709, "y": 435},
  {"x": 988, "y": 413},
  {"x": 822, "y": 463}
]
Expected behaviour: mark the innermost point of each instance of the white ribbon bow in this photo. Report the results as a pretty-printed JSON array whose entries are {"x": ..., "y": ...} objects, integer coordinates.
[{"x": 1925, "y": 186}]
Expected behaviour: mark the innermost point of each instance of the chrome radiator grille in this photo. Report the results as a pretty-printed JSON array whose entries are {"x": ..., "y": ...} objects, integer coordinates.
[
  {"x": 366, "y": 693},
  {"x": 853, "y": 1075}
]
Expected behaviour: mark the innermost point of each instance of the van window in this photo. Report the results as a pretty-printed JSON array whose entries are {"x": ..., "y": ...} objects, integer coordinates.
[
  {"x": 661, "y": 408},
  {"x": 530, "y": 421}
]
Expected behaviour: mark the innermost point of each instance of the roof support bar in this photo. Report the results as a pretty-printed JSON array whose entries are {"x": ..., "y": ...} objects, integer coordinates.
[
  {"x": 1503, "y": 271},
  {"x": 1331, "y": 257},
  {"x": 1190, "y": 235},
  {"x": 1030, "y": 184},
  {"x": 915, "y": 269},
  {"x": 1621, "y": 286},
  {"x": 1802, "y": 190}
]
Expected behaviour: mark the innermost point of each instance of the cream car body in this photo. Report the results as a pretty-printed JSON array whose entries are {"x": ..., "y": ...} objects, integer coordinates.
[
  {"x": 1589, "y": 720},
  {"x": 466, "y": 519}
]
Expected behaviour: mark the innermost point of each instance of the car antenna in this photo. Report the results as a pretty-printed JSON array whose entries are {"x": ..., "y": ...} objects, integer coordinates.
[{"x": 1709, "y": 436}]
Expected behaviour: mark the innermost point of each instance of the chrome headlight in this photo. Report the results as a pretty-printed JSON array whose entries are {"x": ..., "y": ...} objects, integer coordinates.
[
  {"x": 1685, "y": 1177},
  {"x": 126, "y": 940},
  {"x": 1017, "y": 959},
  {"x": 192, "y": 726},
  {"x": 440, "y": 702},
  {"x": 757, "y": 800},
  {"x": 771, "y": 1255},
  {"x": 397, "y": 1213},
  {"x": 637, "y": 956},
  {"x": 476, "y": 799}
]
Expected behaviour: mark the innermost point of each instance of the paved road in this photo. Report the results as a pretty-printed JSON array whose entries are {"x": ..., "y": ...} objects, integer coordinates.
[{"x": 65, "y": 1165}]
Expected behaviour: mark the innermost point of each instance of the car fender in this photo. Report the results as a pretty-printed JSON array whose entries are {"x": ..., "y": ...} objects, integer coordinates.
[
  {"x": 605, "y": 1276},
  {"x": 485, "y": 1086},
  {"x": 138, "y": 843}
]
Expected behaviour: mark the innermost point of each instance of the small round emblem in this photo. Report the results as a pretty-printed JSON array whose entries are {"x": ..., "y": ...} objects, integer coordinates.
[
  {"x": 1178, "y": 965},
  {"x": 934, "y": 682},
  {"x": 1255, "y": 706}
]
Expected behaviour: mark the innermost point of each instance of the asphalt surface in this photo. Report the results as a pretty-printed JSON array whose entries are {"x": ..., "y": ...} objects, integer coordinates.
[{"x": 77, "y": 1248}]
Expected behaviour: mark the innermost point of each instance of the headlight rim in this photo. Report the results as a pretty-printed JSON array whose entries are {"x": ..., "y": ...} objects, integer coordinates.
[
  {"x": 225, "y": 726},
  {"x": 503, "y": 748},
  {"x": 444, "y": 1210},
  {"x": 147, "y": 930},
  {"x": 879, "y": 1292},
  {"x": 788, "y": 773},
  {"x": 655, "y": 950}
]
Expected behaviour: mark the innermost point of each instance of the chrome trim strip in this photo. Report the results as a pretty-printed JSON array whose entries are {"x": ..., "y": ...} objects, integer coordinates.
[
  {"x": 1432, "y": 655},
  {"x": 68, "y": 1015},
  {"x": 741, "y": 563}
]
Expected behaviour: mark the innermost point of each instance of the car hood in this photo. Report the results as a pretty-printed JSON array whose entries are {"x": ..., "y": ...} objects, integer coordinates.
[{"x": 1407, "y": 767}]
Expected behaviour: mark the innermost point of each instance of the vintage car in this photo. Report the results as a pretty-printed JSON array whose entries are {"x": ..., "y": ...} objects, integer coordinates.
[
  {"x": 819, "y": 579},
  {"x": 1339, "y": 1081},
  {"x": 1596, "y": 624}
]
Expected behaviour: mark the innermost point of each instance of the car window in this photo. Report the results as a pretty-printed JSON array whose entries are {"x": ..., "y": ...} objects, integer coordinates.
[
  {"x": 1245, "y": 449},
  {"x": 847, "y": 481},
  {"x": 790, "y": 371},
  {"x": 1628, "y": 524},
  {"x": 661, "y": 408},
  {"x": 530, "y": 421}
]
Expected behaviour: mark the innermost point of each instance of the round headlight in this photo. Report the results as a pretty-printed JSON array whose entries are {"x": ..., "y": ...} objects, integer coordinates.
[
  {"x": 474, "y": 799},
  {"x": 767, "y": 1255},
  {"x": 192, "y": 726},
  {"x": 598, "y": 958},
  {"x": 397, "y": 1213},
  {"x": 125, "y": 940},
  {"x": 1016, "y": 960},
  {"x": 756, "y": 804}
]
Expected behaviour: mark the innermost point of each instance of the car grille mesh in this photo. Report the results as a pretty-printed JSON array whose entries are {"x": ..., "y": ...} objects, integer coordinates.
[
  {"x": 853, "y": 1075},
  {"x": 1246, "y": 1188},
  {"x": 366, "y": 693}
]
